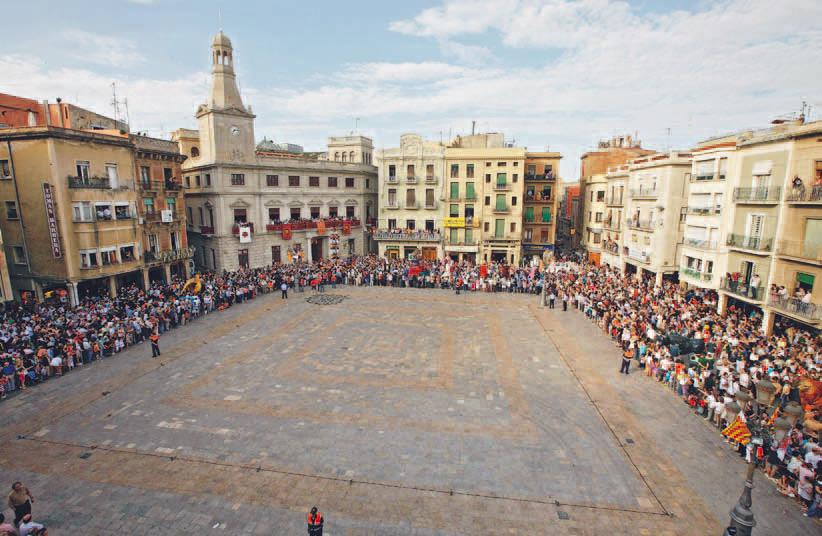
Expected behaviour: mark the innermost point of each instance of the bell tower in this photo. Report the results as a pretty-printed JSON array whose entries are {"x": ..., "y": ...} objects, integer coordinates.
[{"x": 226, "y": 125}]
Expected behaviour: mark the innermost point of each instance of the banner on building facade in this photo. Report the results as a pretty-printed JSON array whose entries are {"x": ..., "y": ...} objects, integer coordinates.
[
  {"x": 245, "y": 234},
  {"x": 320, "y": 227},
  {"x": 51, "y": 218},
  {"x": 166, "y": 216},
  {"x": 454, "y": 222},
  {"x": 286, "y": 231},
  {"x": 346, "y": 227}
]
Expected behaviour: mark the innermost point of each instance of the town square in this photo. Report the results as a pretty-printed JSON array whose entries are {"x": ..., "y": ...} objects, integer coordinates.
[{"x": 524, "y": 267}]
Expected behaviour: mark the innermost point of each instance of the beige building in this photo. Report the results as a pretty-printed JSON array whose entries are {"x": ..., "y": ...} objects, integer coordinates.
[
  {"x": 411, "y": 202},
  {"x": 6, "y": 292},
  {"x": 593, "y": 213},
  {"x": 70, "y": 219},
  {"x": 774, "y": 234},
  {"x": 484, "y": 194},
  {"x": 251, "y": 206},
  {"x": 657, "y": 192},
  {"x": 612, "y": 226},
  {"x": 540, "y": 210}
]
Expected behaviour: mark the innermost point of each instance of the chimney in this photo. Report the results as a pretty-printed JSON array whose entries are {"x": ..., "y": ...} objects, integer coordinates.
[
  {"x": 60, "y": 112},
  {"x": 473, "y": 127}
]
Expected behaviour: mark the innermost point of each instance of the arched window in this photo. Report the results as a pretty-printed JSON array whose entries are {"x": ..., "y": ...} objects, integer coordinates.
[
  {"x": 343, "y": 157},
  {"x": 351, "y": 156},
  {"x": 195, "y": 152},
  {"x": 337, "y": 156}
]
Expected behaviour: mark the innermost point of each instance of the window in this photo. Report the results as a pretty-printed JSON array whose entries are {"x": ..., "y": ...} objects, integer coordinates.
[
  {"x": 314, "y": 182},
  {"x": 409, "y": 171},
  {"x": 188, "y": 182},
  {"x": 392, "y": 223},
  {"x": 499, "y": 228},
  {"x": 200, "y": 213},
  {"x": 502, "y": 164},
  {"x": 429, "y": 225},
  {"x": 293, "y": 181},
  {"x": 332, "y": 212},
  {"x": 197, "y": 181},
  {"x": 513, "y": 227},
  {"x": 598, "y": 217},
  {"x": 470, "y": 193},
  {"x": 272, "y": 180},
  {"x": 122, "y": 212},
  {"x": 11, "y": 210},
  {"x": 429, "y": 198},
  {"x": 191, "y": 215},
  {"x": 410, "y": 198},
  {"x": 349, "y": 212},
  {"x": 332, "y": 182},
  {"x": 275, "y": 254},
  {"x": 515, "y": 177},
  {"x": 500, "y": 202},
  {"x": 469, "y": 171},
  {"x": 487, "y": 200},
  {"x": 103, "y": 211},
  {"x": 488, "y": 178},
  {"x": 237, "y": 179},
  {"x": 818, "y": 170},
  {"x": 349, "y": 182},
  {"x": 5, "y": 169},
  {"x": 529, "y": 214},
  {"x": 469, "y": 214},
  {"x": 111, "y": 173},
  {"x": 295, "y": 213},
  {"x": 453, "y": 235},
  {"x": 548, "y": 169},
  {"x": 546, "y": 214},
  {"x": 108, "y": 256},
  {"x": 527, "y": 234},
  {"x": 153, "y": 243},
  {"x": 195, "y": 152},
  {"x": 208, "y": 179},
  {"x": 514, "y": 201},
  {"x": 453, "y": 211},
  {"x": 469, "y": 236},
  {"x": 240, "y": 215},
  {"x": 127, "y": 253},
  {"x": 315, "y": 213},
  {"x": 175, "y": 240},
  {"x": 145, "y": 176},
  {"x": 242, "y": 258},
  {"x": 455, "y": 171},
  {"x": 148, "y": 204},
  {"x": 83, "y": 171},
  {"x": 454, "y": 191},
  {"x": 600, "y": 196},
  {"x": 486, "y": 226},
  {"x": 274, "y": 215},
  {"x": 502, "y": 179},
  {"x": 531, "y": 169},
  {"x": 392, "y": 172},
  {"x": 88, "y": 258},
  {"x": 82, "y": 211},
  {"x": 411, "y": 224},
  {"x": 168, "y": 174},
  {"x": 429, "y": 171}
]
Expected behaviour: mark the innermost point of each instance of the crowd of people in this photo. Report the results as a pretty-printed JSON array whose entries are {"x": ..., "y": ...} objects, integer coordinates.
[{"x": 649, "y": 322}]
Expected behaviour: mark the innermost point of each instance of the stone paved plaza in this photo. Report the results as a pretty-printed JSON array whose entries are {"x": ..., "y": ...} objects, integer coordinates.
[{"x": 397, "y": 412}]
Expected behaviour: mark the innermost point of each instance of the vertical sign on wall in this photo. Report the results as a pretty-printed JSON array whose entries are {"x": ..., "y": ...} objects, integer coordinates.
[{"x": 51, "y": 217}]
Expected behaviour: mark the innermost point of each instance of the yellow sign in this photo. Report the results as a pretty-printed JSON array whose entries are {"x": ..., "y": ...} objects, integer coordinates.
[{"x": 455, "y": 222}]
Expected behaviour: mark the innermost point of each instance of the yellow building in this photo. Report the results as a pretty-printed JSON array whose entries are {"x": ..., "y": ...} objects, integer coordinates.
[
  {"x": 483, "y": 199},
  {"x": 541, "y": 201},
  {"x": 69, "y": 210}
]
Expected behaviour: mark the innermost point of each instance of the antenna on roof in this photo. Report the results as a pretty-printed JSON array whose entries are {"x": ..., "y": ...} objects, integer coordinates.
[{"x": 220, "y": 18}]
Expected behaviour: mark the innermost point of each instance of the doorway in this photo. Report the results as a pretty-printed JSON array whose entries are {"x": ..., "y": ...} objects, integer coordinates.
[{"x": 316, "y": 249}]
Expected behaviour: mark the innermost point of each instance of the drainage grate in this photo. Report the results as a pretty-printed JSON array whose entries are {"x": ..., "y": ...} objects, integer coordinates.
[
  {"x": 326, "y": 299},
  {"x": 85, "y": 455},
  {"x": 629, "y": 440},
  {"x": 563, "y": 515}
]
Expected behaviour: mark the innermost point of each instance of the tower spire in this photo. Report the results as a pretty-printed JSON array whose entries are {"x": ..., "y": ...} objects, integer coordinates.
[{"x": 224, "y": 92}]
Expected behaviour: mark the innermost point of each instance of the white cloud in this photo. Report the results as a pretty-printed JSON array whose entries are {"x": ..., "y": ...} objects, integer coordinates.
[
  {"x": 470, "y": 54},
  {"x": 101, "y": 49}
]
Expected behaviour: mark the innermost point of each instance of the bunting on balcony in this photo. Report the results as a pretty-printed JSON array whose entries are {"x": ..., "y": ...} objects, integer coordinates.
[
  {"x": 346, "y": 227},
  {"x": 287, "y": 232}
]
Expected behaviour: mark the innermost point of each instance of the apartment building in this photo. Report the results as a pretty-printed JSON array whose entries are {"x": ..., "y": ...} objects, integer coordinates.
[
  {"x": 484, "y": 194},
  {"x": 570, "y": 211},
  {"x": 411, "y": 191},
  {"x": 774, "y": 234},
  {"x": 594, "y": 215},
  {"x": 612, "y": 232},
  {"x": 251, "y": 206},
  {"x": 654, "y": 209},
  {"x": 711, "y": 183},
  {"x": 539, "y": 216}
]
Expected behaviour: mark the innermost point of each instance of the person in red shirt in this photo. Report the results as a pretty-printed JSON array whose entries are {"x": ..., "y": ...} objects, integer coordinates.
[{"x": 315, "y": 522}]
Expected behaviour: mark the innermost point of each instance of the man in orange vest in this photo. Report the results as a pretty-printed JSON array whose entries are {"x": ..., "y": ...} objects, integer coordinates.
[
  {"x": 155, "y": 344},
  {"x": 315, "y": 522}
]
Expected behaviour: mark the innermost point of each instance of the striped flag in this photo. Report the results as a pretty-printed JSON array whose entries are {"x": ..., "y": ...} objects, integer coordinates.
[{"x": 737, "y": 431}]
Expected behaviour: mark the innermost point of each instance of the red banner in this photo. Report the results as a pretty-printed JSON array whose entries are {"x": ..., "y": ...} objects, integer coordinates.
[
  {"x": 346, "y": 227},
  {"x": 484, "y": 270},
  {"x": 320, "y": 227},
  {"x": 286, "y": 231}
]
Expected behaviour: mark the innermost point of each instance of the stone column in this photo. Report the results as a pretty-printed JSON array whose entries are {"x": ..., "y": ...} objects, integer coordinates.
[
  {"x": 38, "y": 290},
  {"x": 167, "y": 271},
  {"x": 767, "y": 320},
  {"x": 722, "y": 304},
  {"x": 658, "y": 280},
  {"x": 146, "y": 280},
  {"x": 307, "y": 246},
  {"x": 74, "y": 298}
]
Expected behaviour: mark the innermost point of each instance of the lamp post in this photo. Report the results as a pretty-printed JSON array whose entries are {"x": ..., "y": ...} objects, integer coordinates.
[{"x": 742, "y": 517}]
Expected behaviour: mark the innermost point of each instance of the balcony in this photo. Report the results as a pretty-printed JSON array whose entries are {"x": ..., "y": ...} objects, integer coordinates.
[
  {"x": 611, "y": 225},
  {"x": 695, "y": 274},
  {"x": 502, "y": 209},
  {"x": 470, "y": 197},
  {"x": 539, "y": 198},
  {"x": 613, "y": 200},
  {"x": 742, "y": 289},
  {"x": 411, "y": 205},
  {"x": 206, "y": 230},
  {"x": 539, "y": 177},
  {"x": 502, "y": 186},
  {"x": 751, "y": 243},
  {"x": 640, "y": 256},
  {"x": 307, "y": 225},
  {"x": 704, "y": 177},
  {"x": 173, "y": 186},
  {"x": 794, "y": 306},
  {"x": 97, "y": 183},
  {"x": 469, "y": 243},
  {"x": 799, "y": 250},
  {"x": 402, "y": 236},
  {"x": 704, "y": 211},
  {"x": 803, "y": 196},
  {"x": 431, "y": 179},
  {"x": 768, "y": 195},
  {"x": 169, "y": 255},
  {"x": 701, "y": 244},
  {"x": 642, "y": 225},
  {"x": 430, "y": 205},
  {"x": 411, "y": 179},
  {"x": 235, "y": 229},
  {"x": 392, "y": 179},
  {"x": 647, "y": 192},
  {"x": 392, "y": 205},
  {"x": 611, "y": 247}
]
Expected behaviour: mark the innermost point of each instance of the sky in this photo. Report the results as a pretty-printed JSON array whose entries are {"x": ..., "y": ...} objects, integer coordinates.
[{"x": 555, "y": 74}]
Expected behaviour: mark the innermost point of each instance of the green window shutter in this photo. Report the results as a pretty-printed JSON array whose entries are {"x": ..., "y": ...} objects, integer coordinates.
[
  {"x": 529, "y": 214},
  {"x": 499, "y": 228},
  {"x": 546, "y": 215},
  {"x": 455, "y": 190},
  {"x": 469, "y": 236},
  {"x": 454, "y": 237},
  {"x": 500, "y": 202},
  {"x": 454, "y": 211},
  {"x": 469, "y": 190},
  {"x": 806, "y": 279},
  {"x": 501, "y": 179}
]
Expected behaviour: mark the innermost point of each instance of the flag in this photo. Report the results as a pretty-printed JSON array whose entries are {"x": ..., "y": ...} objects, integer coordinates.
[
  {"x": 346, "y": 227},
  {"x": 245, "y": 233},
  {"x": 286, "y": 231},
  {"x": 737, "y": 431},
  {"x": 320, "y": 227}
]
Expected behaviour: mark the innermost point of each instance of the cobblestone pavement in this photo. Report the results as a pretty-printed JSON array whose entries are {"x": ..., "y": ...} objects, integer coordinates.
[{"x": 400, "y": 412}]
